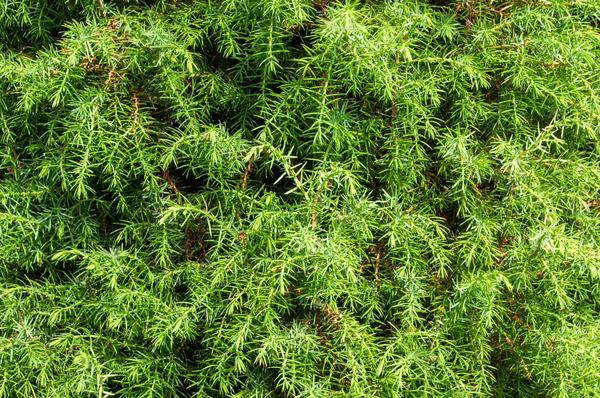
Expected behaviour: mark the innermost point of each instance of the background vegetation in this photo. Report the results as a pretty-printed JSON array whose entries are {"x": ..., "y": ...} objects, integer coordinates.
[{"x": 288, "y": 198}]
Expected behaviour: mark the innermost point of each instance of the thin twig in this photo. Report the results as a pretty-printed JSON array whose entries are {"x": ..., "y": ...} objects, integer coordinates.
[
  {"x": 101, "y": 6},
  {"x": 247, "y": 171}
]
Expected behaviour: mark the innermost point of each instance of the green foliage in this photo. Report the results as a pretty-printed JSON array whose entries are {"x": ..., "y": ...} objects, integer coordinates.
[{"x": 272, "y": 198}]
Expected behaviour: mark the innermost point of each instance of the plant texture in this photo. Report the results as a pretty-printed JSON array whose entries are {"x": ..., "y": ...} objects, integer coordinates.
[{"x": 290, "y": 198}]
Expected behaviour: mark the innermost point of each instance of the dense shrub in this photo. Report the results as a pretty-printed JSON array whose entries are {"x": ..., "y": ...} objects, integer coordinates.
[{"x": 288, "y": 198}]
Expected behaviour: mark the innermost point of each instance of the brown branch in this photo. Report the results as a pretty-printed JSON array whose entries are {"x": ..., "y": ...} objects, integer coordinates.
[
  {"x": 247, "y": 171},
  {"x": 177, "y": 350},
  {"x": 16, "y": 158},
  {"x": 395, "y": 91},
  {"x": 317, "y": 322},
  {"x": 101, "y": 6},
  {"x": 313, "y": 216},
  {"x": 512, "y": 345},
  {"x": 376, "y": 263},
  {"x": 167, "y": 178},
  {"x": 136, "y": 106},
  {"x": 110, "y": 76}
]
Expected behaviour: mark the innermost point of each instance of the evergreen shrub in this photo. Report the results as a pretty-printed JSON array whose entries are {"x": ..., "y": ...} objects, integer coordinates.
[{"x": 298, "y": 198}]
